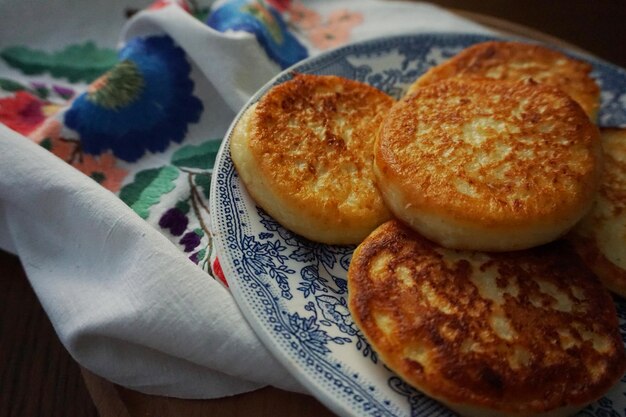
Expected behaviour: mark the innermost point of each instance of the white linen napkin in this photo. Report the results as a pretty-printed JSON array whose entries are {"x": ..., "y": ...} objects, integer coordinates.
[{"x": 117, "y": 281}]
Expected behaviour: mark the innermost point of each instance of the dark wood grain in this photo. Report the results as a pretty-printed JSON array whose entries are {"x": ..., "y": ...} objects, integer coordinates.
[
  {"x": 39, "y": 378},
  {"x": 266, "y": 402},
  {"x": 115, "y": 401},
  {"x": 37, "y": 375},
  {"x": 597, "y": 26}
]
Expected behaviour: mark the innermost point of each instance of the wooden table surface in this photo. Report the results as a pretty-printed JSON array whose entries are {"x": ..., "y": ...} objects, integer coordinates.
[{"x": 39, "y": 378}]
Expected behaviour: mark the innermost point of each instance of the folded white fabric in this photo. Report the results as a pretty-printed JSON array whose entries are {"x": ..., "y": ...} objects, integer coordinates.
[
  {"x": 113, "y": 272},
  {"x": 124, "y": 300}
]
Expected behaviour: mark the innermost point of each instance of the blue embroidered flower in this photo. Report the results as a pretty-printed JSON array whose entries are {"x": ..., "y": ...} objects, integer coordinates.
[
  {"x": 141, "y": 104},
  {"x": 265, "y": 23}
]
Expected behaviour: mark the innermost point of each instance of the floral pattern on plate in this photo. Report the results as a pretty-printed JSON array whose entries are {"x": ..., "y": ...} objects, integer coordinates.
[{"x": 293, "y": 291}]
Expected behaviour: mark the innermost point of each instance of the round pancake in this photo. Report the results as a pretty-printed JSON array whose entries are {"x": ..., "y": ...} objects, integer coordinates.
[
  {"x": 305, "y": 152},
  {"x": 521, "y": 333},
  {"x": 600, "y": 238},
  {"x": 485, "y": 165},
  {"x": 515, "y": 61}
]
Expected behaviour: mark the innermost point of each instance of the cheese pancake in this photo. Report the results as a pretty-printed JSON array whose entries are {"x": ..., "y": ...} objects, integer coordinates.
[
  {"x": 515, "y": 61},
  {"x": 600, "y": 239},
  {"x": 526, "y": 333},
  {"x": 485, "y": 165},
  {"x": 304, "y": 152}
]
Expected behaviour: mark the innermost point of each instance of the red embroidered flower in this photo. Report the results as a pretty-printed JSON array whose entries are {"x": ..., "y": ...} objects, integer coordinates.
[
  {"x": 103, "y": 170},
  {"x": 217, "y": 271},
  {"x": 332, "y": 32},
  {"x": 48, "y": 135},
  {"x": 345, "y": 17},
  {"x": 21, "y": 112},
  {"x": 303, "y": 17},
  {"x": 280, "y": 5},
  {"x": 329, "y": 36},
  {"x": 159, "y": 4}
]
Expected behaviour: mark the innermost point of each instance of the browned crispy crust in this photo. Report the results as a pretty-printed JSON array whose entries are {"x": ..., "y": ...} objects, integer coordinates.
[
  {"x": 515, "y": 61},
  {"x": 603, "y": 227},
  {"x": 432, "y": 315},
  {"x": 310, "y": 150},
  {"x": 508, "y": 157}
]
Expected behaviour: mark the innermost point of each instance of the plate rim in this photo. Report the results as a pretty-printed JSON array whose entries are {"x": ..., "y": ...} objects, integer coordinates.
[{"x": 268, "y": 340}]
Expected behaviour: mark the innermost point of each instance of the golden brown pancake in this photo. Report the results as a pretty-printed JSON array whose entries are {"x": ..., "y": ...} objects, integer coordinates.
[
  {"x": 305, "y": 151},
  {"x": 527, "y": 333},
  {"x": 600, "y": 238},
  {"x": 484, "y": 165},
  {"x": 515, "y": 61}
]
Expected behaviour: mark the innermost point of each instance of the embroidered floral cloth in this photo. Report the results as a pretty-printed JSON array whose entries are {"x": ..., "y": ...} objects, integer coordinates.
[{"x": 105, "y": 166}]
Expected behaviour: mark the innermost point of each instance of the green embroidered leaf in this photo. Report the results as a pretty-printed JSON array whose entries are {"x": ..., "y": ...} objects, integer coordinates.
[
  {"x": 183, "y": 206},
  {"x": 201, "y": 13},
  {"x": 42, "y": 92},
  {"x": 197, "y": 156},
  {"x": 11, "y": 86},
  {"x": 148, "y": 188},
  {"x": 204, "y": 182},
  {"x": 46, "y": 144},
  {"x": 82, "y": 62}
]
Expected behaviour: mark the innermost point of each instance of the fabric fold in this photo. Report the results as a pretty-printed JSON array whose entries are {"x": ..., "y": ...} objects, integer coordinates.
[
  {"x": 230, "y": 73},
  {"x": 120, "y": 296},
  {"x": 127, "y": 275}
]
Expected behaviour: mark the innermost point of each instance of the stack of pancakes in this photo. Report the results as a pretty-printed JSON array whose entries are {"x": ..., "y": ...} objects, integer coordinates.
[{"x": 458, "y": 195}]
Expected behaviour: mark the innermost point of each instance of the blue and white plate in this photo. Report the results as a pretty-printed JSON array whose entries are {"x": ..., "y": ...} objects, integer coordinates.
[{"x": 293, "y": 291}]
